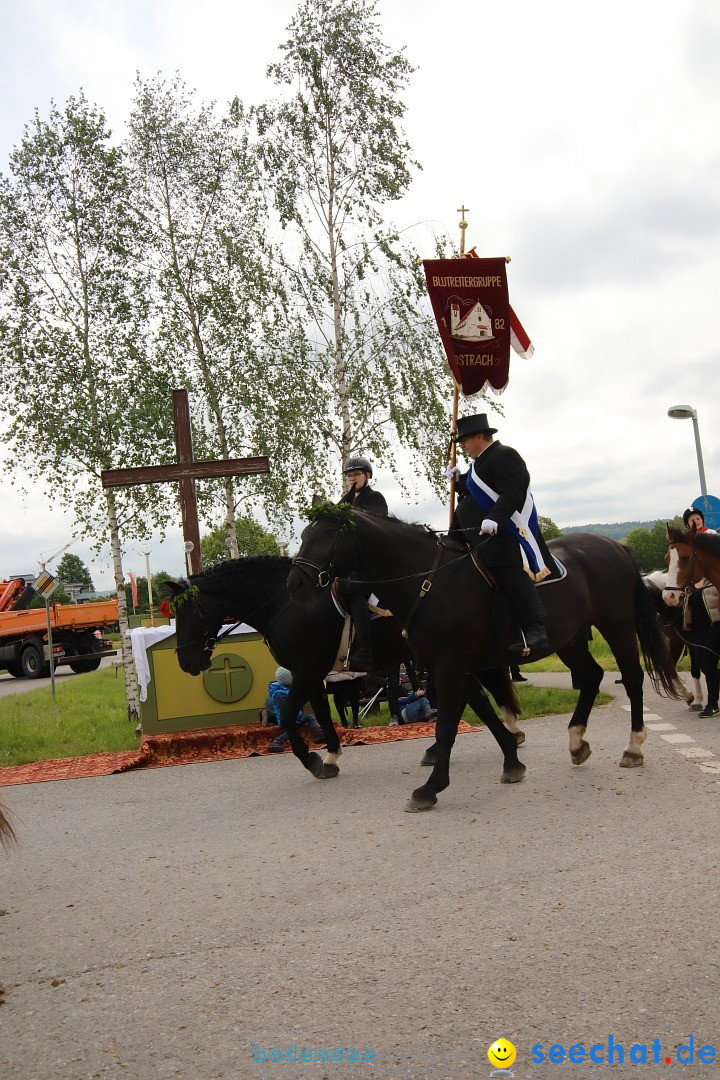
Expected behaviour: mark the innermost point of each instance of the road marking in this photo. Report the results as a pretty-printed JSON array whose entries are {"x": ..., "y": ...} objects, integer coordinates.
[
  {"x": 695, "y": 752},
  {"x": 698, "y": 755},
  {"x": 678, "y": 737},
  {"x": 661, "y": 727}
]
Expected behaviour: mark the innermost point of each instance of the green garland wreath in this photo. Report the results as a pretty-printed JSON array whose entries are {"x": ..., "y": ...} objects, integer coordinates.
[
  {"x": 341, "y": 513},
  {"x": 190, "y": 593}
]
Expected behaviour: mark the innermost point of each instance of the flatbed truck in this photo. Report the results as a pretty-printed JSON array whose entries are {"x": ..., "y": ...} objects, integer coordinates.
[{"x": 77, "y": 633}]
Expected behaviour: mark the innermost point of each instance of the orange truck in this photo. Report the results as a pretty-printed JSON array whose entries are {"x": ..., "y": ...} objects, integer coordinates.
[{"x": 77, "y": 633}]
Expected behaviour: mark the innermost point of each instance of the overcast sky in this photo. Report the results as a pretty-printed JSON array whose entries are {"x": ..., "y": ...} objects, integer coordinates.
[{"x": 585, "y": 141}]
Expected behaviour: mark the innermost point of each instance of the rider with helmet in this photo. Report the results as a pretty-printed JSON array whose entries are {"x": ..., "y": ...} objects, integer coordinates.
[{"x": 361, "y": 496}]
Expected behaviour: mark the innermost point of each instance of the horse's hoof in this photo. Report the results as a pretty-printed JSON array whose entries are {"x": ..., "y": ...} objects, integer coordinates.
[
  {"x": 582, "y": 753},
  {"x": 514, "y": 775},
  {"x": 428, "y": 758},
  {"x": 631, "y": 761},
  {"x": 519, "y": 737},
  {"x": 315, "y": 764},
  {"x": 328, "y": 771},
  {"x": 419, "y": 801}
]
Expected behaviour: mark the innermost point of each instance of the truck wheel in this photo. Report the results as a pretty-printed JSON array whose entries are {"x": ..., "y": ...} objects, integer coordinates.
[
  {"x": 78, "y": 666},
  {"x": 32, "y": 664},
  {"x": 14, "y": 668}
]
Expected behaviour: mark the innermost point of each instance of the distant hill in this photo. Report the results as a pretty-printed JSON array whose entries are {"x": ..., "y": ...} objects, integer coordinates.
[{"x": 617, "y": 530}]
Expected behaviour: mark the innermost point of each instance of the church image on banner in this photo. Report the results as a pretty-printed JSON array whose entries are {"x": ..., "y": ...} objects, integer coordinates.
[{"x": 474, "y": 326}]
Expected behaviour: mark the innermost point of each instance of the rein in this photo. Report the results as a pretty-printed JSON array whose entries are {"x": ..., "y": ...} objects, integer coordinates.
[{"x": 324, "y": 579}]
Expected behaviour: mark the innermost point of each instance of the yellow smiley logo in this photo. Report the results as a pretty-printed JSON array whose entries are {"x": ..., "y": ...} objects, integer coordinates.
[{"x": 502, "y": 1053}]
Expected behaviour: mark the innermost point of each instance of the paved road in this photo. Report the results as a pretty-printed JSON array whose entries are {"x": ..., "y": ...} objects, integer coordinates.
[
  {"x": 169, "y": 922},
  {"x": 10, "y": 685}
]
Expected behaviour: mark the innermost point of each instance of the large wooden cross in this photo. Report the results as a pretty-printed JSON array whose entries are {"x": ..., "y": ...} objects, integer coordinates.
[{"x": 185, "y": 471}]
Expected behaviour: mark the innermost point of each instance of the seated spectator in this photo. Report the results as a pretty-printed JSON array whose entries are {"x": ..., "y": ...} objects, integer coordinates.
[
  {"x": 415, "y": 708},
  {"x": 278, "y": 691}
]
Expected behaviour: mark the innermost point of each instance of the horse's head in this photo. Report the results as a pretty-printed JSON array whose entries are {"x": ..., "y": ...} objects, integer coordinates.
[
  {"x": 326, "y": 551},
  {"x": 684, "y": 565},
  {"x": 197, "y": 622}
]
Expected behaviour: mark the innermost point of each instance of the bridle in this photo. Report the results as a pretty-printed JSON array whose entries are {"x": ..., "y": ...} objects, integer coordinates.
[
  {"x": 686, "y": 589},
  {"x": 322, "y": 577}
]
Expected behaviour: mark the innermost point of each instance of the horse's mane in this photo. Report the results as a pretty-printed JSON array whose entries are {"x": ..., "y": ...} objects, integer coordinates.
[
  {"x": 709, "y": 542},
  {"x": 251, "y": 567},
  {"x": 344, "y": 514}
]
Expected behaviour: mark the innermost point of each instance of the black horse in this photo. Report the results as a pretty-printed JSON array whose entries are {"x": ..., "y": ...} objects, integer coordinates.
[
  {"x": 254, "y": 590},
  {"x": 450, "y": 625}
]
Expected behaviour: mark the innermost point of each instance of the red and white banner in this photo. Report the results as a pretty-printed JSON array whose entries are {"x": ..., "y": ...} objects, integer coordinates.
[
  {"x": 470, "y": 302},
  {"x": 133, "y": 588},
  {"x": 519, "y": 339}
]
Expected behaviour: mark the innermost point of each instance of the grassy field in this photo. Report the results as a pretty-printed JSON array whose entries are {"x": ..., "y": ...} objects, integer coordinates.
[{"x": 88, "y": 715}]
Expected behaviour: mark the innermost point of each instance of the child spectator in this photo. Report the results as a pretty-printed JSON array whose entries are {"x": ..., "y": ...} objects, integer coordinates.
[{"x": 278, "y": 691}]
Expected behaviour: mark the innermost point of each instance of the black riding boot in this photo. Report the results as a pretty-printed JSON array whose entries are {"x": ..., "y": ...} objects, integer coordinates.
[
  {"x": 526, "y": 607},
  {"x": 361, "y": 657}
]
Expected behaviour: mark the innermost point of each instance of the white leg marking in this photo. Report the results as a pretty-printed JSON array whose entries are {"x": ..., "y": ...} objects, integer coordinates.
[
  {"x": 577, "y": 734},
  {"x": 510, "y": 719},
  {"x": 637, "y": 738},
  {"x": 331, "y": 759},
  {"x": 699, "y": 692}
]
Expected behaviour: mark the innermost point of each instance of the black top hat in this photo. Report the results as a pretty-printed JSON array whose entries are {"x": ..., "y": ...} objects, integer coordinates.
[
  {"x": 473, "y": 425},
  {"x": 692, "y": 510}
]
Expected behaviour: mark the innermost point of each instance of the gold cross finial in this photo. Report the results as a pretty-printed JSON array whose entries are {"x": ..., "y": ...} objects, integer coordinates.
[{"x": 463, "y": 226}]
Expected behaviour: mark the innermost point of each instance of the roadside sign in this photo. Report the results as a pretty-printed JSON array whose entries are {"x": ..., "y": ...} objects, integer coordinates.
[
  {"x": 710, "y": 506},
  {"x": 45, "y": 584}
]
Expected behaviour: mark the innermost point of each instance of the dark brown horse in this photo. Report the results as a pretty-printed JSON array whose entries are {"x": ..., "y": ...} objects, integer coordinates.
[
  {"x": 446, "y": 608},
  {"x": 254, "y": 590}
]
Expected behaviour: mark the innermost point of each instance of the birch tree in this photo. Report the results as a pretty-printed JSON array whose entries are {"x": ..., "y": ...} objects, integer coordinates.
[
  {"x": 79, "y": 389},
  {"x": 335, "y": 154},
  {"x": 220, "y": 313}
]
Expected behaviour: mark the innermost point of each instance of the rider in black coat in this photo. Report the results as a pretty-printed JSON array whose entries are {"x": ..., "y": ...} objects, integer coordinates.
[
  {"x": 503, "y": 470},
  {"x": 361, "y": 496}
]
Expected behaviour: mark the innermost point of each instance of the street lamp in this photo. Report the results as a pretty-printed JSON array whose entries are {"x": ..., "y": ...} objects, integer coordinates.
[
  {"x": 686, "y": 412},
  {"x": 149, "y": 584}
]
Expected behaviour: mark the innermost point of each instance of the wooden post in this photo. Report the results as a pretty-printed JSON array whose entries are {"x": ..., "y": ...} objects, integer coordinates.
[{"x": 185, "y": 472}]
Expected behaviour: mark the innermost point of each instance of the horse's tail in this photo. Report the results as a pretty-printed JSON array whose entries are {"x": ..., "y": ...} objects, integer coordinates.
[
  {"x": 653, "y": 644},
  {"x": 7, "y": 836}
]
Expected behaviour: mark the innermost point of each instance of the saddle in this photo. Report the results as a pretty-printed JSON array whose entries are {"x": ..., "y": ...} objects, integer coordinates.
[{"x": 346, "y": 638}]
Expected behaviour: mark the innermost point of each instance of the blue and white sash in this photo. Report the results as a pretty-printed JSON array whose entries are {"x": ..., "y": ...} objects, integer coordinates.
[{"x": 523, "y": 525}]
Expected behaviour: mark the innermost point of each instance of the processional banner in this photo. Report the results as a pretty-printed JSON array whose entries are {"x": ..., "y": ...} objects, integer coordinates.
[{"x": 470, "y": 302}]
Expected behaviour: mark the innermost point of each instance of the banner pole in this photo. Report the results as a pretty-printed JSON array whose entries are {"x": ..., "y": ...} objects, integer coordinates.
[{"x": 452, "y": 456}]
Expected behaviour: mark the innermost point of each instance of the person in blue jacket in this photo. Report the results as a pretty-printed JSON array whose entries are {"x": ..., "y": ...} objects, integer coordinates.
[{"x": 278, "y": 691}]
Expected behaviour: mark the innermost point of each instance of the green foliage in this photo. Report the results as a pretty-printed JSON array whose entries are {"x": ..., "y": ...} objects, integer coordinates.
[
  {"x": 649, "y": 546},
  {"x": 369, "y": 364},
  {"x": 548, "y": 528},
  {"x": 252, "y": 539},
  {"x": 78, "y": 390},
  {"x": 221, "y": 324},
  {"x": 143, "y": 604},
  {"x": 72, "y": 570},
  {"x": 340, "y": 513}
]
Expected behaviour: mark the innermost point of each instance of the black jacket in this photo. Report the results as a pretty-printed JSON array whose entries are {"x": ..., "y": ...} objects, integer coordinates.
[
  {"x": 367, "y": 499},
  {"x": 502, "y": 469}
]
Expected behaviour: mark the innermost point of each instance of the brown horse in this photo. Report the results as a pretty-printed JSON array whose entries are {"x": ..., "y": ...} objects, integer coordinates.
[{"x": 691, "y": 556}]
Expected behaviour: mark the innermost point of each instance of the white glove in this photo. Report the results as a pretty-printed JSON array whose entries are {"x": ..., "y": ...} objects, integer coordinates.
[
  {"x": 489, "y": 527},
  {"x": 453, "y": 470}
]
